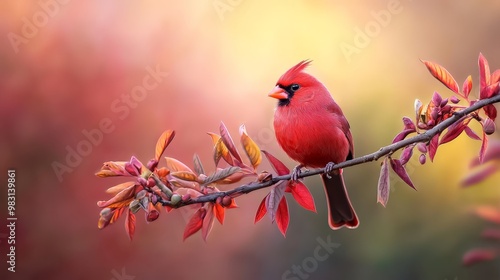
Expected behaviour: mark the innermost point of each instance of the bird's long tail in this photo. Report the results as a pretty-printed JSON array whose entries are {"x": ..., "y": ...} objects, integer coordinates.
[{"x": 340, "y": 211}]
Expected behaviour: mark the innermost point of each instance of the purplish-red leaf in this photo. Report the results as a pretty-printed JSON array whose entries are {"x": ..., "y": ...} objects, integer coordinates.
[
  {"x": 453, "y": 131},
  {"x": 400, "y": 170},
  {"x": 433, "y": 145},
  {"x": 228, "y": 141},
  {"x": 484, "y": 146}
]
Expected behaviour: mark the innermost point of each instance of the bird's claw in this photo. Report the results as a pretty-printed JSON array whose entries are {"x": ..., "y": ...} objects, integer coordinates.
[
  {"x": 329, "y": 169},
  {"x": 296, "y": 172}
]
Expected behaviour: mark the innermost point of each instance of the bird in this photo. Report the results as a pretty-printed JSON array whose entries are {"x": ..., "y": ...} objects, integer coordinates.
[{"x": 312, "y": 130}]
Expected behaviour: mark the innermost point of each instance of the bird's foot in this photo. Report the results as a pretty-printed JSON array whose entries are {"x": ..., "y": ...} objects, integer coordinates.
[
  {"x": 296, "y": 172},
  {"x": 329, "y": 169}
]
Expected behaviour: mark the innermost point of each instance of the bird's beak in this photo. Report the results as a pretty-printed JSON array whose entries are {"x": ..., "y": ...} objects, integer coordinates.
[{"x": 278, "y": 93}]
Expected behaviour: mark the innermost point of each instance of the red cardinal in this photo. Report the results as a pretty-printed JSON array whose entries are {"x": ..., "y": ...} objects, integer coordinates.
[{"x": 312, "y": 130}]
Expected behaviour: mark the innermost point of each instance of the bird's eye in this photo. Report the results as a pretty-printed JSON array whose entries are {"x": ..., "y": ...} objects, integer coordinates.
[{"x": 294, "y": 87}]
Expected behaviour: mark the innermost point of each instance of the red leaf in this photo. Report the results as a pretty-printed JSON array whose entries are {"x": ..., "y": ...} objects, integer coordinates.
[
  {"x": 433, "y": 145},
  {"x": 162, "y": 143},
  {"x": 228, "y": 141},
  {"x": 479, "y": 176},
  {"x": 454, "y": 131},
  {"x": 478, "y": 255},
  {"x": 219, "y": 213},
  {"x": 400, "y": 170},
  {"x": 489, "y": 91},
  {"x": 195, "y": 223},
  {"x": 383, "y": 184},
  {"x": 495, "y": 77},
  {"x": 251, "y": 149},
  {"x": 208, "y": 222},
  {"x": 489, "y": 213},
  {"x": 130, "y": 224},
  {"x": 440, "y": 73},
  {"x": 466, "y": 88},
  {"x": 484, "y": 146},
  {"x": 262, "y": 210},
  {"x": 282, "y": 216},
  {"x": 406, "y": 154},
  {"x": 490, "y": 111},
  {"x": 402, "y": 135},
  {"x": 471, "y": 133},
  {"x": 484, "y": 73},
  {"x": 302, "y": 195},
  {"x": 277, "y": 165}
]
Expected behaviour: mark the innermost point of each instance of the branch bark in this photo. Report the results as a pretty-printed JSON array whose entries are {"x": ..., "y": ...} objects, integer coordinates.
[{"x": 423, "y": 137}]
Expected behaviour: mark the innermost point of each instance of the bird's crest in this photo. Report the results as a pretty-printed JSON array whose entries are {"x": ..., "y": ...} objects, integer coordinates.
[{"x": 292, "y": 73}]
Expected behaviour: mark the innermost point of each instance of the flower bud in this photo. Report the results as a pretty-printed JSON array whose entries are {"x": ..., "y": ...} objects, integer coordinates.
[
  {"x": 488, "y": 126},
  {"x": 422, "y": 159},
  {"x": 152, "y": 214},
  {"x": 151, "y": 183},
  {"x": 142, "y": 181},
  {"x": 152, "y": 164},
  {"x": 422, "y": 147},
  {"x": 226, "y": 201},
  {"x": 176, "y": 198},
  {"x": 154, "y": 199},
  {"x": 454, "y": 99},
  {"x": 106, "y": 211}
]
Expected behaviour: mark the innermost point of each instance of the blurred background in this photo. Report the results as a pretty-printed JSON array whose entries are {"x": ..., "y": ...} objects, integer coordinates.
[{"x": 131, "y": 69}]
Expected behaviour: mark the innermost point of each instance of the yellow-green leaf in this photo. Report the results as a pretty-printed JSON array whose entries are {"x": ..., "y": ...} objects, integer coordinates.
[
  {"x": 185, "y": 175},
  {"x": 251, "y": 148},
  {"x": 220, "y": 150}
]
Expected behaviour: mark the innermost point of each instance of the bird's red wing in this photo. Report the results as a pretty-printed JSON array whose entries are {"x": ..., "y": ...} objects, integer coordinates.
[{"x": 344, "y": 126}]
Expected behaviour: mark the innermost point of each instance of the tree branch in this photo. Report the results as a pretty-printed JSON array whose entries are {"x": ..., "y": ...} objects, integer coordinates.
[{"x": 423, "y": 137}]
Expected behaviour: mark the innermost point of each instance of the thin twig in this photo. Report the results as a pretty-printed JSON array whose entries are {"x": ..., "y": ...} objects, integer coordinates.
[{"x": 423, "y": 137}]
